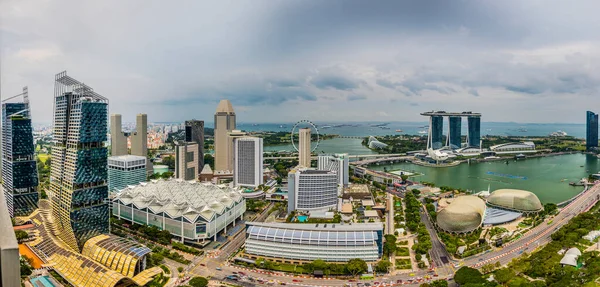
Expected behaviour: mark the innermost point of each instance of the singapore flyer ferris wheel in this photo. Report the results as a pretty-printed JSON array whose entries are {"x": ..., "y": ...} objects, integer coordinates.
[{"x": 308, "y": 124}]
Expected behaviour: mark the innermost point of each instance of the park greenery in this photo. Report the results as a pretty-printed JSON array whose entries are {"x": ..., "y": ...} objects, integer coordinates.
[
  {"x": 279, "y": 138},
  {"x": 413, "y": 223},
  {"x": 21, "y": 235},
  {"x": 198, "y": 282},
  {"x": 352, "y": 267},
  {"x": 159, "y": 281},
  {"x": 436, "y": 283}
]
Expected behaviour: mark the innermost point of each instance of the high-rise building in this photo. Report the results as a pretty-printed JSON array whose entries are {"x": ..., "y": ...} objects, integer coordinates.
[
  {"x": 118, "y": 139},
  {"x": 248, "y": 161},
  {"x": 194, "y": 132},
  {"x": 591, "y": 132},
  {"x": 337, "y": 163},
  {"x": 10, "y": 272},
  {"x": 125, "y": 170},
  {"x": 474, "y": 131},
  {"x": 312, "y": 191},
  {"x": 224, "y": 123},
  {"x": 436, "y": 128},
  {"x": 231, "y": 136},
  {"x": 304, "y": 147},
  {"x": 454, "y": 136},
  {"x": 19, "y": 169},
  {"x": 186, "y": 161},
  {"x": 78, "y": 189},
  {"x": 139, "y": 140}
]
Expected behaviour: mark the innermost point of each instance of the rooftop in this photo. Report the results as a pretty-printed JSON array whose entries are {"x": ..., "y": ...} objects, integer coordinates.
[
  {"x": 454, "y": 114},
  {"x": 127, "y": 157},
  {"x": 10, "y": 241},
  {"x": 225, "y": 107},
  {"x": 321, "y": 226}
]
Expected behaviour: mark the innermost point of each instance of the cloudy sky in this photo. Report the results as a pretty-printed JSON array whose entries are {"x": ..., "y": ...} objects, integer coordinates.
[{"x": 282, "y": 61}]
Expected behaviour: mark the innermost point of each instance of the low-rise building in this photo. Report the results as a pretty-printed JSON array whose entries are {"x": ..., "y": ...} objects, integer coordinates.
[
  {"x": 296, "y": 242},
  {"x": 189, "y": 210}
]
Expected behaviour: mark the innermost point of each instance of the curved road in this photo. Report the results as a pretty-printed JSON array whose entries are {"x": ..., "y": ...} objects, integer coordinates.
[{"x": 536, "y": 237}]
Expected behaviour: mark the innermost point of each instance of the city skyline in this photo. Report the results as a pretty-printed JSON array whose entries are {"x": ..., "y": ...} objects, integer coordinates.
[{"x": 383, "y": 67}]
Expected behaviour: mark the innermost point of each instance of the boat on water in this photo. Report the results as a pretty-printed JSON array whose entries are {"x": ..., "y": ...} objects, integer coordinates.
[
  {"x": 491, "y": 157},
  {"x": 558, "y": 133},
  {"x": 399, "y": 131},
  {"x": 422, "y": 132},
  {"x": 325, "y": 127}
]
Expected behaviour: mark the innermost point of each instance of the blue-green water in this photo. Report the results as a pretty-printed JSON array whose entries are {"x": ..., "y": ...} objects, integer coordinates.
[{"x": 547, "y": 177}]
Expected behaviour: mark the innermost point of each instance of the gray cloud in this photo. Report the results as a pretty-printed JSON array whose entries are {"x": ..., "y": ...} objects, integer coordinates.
[
  {"x": 356, "y": 97},
  {"x": 474, "y": 92},
  {"x": 335, "y": 82}
]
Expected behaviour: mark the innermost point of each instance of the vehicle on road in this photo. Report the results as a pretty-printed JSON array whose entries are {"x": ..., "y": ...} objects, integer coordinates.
[
  {"x": 219, "y": 268},
  {"x": 296, "y": 280}
]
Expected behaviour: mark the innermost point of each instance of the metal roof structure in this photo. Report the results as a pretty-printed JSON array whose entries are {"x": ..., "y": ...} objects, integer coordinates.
[
  {"x": 451, "y": 114},
  {"x": 464, "y": 214},
  {"x": 515, "y": 199},
  {"x": 314, "y": 234},
  {"x": 321, "y": 226},
  {"x": 178, "y": 198},
  {"x": 570, "y": 257}
]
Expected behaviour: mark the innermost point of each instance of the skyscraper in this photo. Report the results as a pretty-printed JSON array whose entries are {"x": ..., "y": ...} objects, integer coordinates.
[
  {"x": 194, "y": 132},
  {"x": 436, "y": 127},
  {"x": 231, "y": 136},
  {"x": 248, "y": 161},
  {"x": 474, "y": 131},
  {"x": 224, "y": 123},
  {"x": 454, "y": 137},
  {"x": 591, "y": 132},
  {"x": 9, "y": 249},
  {"x": 139, "y": 138},
  {"x": 19, "y": 170},
  {"x": 124, "y": 170},
  {"x": 78, "y": 189},
  {"x": 186, "y": 161},
  {"x": 313, "y": 191},
  {"x": 118, "y": 140},
  {"x": 304, "y": 147},
  {"x": 338, "y": 163}
]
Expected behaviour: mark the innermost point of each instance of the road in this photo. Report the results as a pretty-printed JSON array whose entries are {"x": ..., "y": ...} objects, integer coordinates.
[{"x": 538, "y": 236}]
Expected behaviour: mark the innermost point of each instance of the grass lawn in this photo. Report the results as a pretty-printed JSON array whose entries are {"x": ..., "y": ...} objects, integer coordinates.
[
  {"x": 403, "y": 264},
  {"x": 402, "y": 251},
  {"x": 43, "y": 157}
]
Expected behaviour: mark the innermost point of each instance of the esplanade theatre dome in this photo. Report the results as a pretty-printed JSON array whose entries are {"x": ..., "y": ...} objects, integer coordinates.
[
  {"x": 464, "y": 214},
  {"x": 515, "y": 199}
]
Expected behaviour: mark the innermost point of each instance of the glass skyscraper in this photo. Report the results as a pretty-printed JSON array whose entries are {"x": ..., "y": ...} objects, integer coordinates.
[
  {"x": 591, "y": 132},
  {"x": 454, "y": 134},
  {"x": 78, "y": 179},
  {"x": 436, "y": 129},
  {"x": 474, "y": 131},
  {"x": 19, "y": 170}
]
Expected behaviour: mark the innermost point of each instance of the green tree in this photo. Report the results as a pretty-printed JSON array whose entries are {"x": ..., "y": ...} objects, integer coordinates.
[
  {"x": 210, "y": 160},
  {"x": 198, "y": 282},
  {"x": 180, "y": 269},
  {"x": 389, "y": 247},
  {"x": 169, "y": 161},
  {"x": 319, "y": 265},
  {"x": 356, "y": 266},
  {"x": 21, "y": 235},
  {"x": 436, "y": 283},
  {"x": 466, "y": 275},
  {"x": 383, "y": 266},
  {"x": 550, "y": 208},
  {"x": 404, "y": 177},
  {"x": 503, "y": 275}
]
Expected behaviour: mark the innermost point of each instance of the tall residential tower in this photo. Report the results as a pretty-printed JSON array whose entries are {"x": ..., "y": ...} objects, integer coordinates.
[
  {"x": 224, "y": 123},
  {"x": 19, "y": 170},
  {"x": 248, "y": 161},
  {"x": 78, "y": 188},
  {"x": 591, "y": 132}
]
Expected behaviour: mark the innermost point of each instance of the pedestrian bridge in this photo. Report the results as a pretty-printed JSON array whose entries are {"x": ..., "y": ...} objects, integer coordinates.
[{"x": 355, "y": 157}]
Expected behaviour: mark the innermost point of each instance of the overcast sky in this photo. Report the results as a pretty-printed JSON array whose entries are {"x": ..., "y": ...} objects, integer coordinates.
[{"x": 282, "y": 61}]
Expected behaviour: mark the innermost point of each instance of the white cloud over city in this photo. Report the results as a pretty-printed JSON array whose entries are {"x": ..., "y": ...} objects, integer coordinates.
[{"x": 281, "y": 61}]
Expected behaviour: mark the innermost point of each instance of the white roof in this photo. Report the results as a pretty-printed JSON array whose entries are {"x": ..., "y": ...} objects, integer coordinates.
[
  {"x": 177, "y": 198},
  {"x": 371, "y": 213},
  {"x": 206, "y": 169},
  {"x": 570, "y": 257}
]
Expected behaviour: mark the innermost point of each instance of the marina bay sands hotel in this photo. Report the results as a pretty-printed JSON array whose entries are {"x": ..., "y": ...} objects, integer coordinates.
[{"x": 453, "y": 141}]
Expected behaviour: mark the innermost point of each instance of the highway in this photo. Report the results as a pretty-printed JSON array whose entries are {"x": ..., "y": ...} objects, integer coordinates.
[{"x": 537, "y": 237}]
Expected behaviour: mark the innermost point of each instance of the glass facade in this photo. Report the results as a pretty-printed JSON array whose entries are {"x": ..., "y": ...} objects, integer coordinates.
[
  {"x": 436, "y": 129},
  {"x": 78, "y": 178},
  {"x": 591, "y": 134},
  {"x": 454, "y": 136},
  {"x": 19, "y": 170},
  {"x": 474, "y": 131}
]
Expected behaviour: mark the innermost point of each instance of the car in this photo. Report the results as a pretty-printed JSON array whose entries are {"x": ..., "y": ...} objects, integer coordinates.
[
  {"x": 435, "y": 275},
  {"x": 219, "y": 268},
  {"x": 368, "y": 284},
  {"x": 375, "y": 283},
  {"x": 351, "y": 280},
  {"x": 241, "y": 273},
  {"x": 202, "y": 264},
  {"x": 282, "y": 283},
  {"x": 296, "y": 280},
  {"x": 399, "y": 281}
]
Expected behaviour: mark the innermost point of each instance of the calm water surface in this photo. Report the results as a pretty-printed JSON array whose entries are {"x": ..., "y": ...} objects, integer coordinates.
[{"x": 547, "y": 177}]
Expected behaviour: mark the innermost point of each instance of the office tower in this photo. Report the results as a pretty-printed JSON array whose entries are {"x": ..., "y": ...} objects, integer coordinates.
[
  {"x": 19, "y": 169},
  {"x": 186, "y": 161},
  {"x": 78, "y": 189},
  {"x": 118, "y": 139},
  {"x": 337, "y": 163},
  {"x": 194, "y": 132},
  {"x": 454, "y": 136},
  {"x": 224, "y": 123},
  {"x": 591, "y": 132},
  {"x": 436, "y": 127},
  {"x": 248, "y": 161},
  {"x": 231, "y": 136},
  {"x": 312, "y": 191},
  {"x": 10, "y": 272},
  {"x": 125, "y": 170},
  {"x": 304, "y": 147},
  {"x": 139, "y": 138},
  {"x": 474, "y": 131}
]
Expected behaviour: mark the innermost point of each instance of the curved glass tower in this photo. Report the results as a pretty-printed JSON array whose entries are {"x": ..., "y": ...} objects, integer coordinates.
[{"x": 78, "y": 179}]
